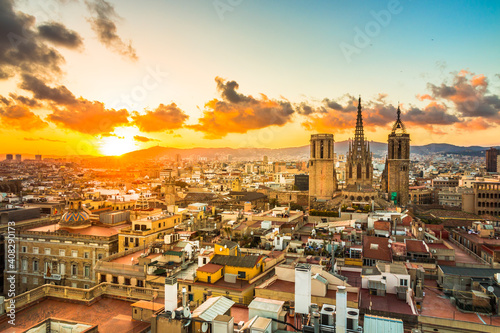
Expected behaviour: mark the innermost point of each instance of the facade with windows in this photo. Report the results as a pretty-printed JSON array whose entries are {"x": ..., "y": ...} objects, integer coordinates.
[{"x": 61, "y": 257}]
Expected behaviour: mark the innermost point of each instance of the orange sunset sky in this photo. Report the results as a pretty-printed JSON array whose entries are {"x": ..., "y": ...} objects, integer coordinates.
[{"x": 99, "y": 77}]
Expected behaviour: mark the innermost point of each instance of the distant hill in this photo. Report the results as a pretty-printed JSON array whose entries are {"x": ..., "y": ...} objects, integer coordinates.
[{"x": 379, "y": 149}]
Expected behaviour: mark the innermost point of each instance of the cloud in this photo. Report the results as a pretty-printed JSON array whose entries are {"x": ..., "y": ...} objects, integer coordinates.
[
  {"x": 44, "y": 139},
  {"x": 88, "y": 117},
  {"x": 58, "y": 34},
  {"x": 28, "y": 101},
  {"x": 433, "y": 114},
  {"x": 238, "y": 113},
  {"x": 21, "y": 118},
  {"x": 40, "y": 90},
  {"x": 143, "y": 138},
  {"x": 163, "y": 118},
  {"x": 103, "y": 14},
  {"x": 470, "y": 96},
  {"x": 21, "y": 51}
]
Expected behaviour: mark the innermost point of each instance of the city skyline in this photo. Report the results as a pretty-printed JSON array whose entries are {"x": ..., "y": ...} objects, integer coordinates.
[{"x": 106, "y": 78}]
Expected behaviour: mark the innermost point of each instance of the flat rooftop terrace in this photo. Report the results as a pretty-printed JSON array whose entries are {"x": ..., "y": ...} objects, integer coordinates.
[
  {"x": 88, "y": 231},
  {"x": 437, "y": 304},
  {"x": 111, "y": 315}
]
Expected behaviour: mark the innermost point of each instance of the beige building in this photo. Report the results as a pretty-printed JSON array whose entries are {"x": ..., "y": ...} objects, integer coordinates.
[{"x": 147, "y": 230}]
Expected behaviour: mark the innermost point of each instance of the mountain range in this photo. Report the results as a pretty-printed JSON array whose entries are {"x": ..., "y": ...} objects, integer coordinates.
[{"x": 379, "y": 149}]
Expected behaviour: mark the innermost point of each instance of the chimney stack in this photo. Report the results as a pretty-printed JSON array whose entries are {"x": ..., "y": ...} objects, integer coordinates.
[
  {"x": 341, "y": 313},
  {"x": 170, "y": 294}
]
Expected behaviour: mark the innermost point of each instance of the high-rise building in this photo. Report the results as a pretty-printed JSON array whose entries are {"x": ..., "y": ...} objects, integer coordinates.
[
  {"x": 491, "y": 160},
  {"x": 398, "y": 163},
  {"x": 38, "y": 157},
  {"x": 9, "y": 157},
  {"x": 18, "y": 158},
  {"x": 322, "y": 175},
  {"x": 359, "y": 168}
]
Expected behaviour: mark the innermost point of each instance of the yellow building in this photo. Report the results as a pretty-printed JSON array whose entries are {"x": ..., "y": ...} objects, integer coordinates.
[
  {"x": 210, "y": 273},
  {"x": 245, "y": 268},
  {"x": 147, "y": 230},
  {"x": 226, "y": 247}
]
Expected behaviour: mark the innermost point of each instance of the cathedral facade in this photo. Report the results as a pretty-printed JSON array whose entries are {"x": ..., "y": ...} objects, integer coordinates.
[{"x": 359, "y": 167}]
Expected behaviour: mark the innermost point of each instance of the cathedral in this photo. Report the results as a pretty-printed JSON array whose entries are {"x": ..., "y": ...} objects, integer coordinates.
[{"x": 359, "y": 168}]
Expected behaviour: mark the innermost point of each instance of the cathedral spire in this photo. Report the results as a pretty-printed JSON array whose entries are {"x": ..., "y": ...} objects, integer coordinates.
[
  {"x": 359, "y": 134},
  {"x": 398, "y": 125}
]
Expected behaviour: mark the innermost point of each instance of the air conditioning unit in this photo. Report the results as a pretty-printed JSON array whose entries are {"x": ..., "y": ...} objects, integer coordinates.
[
  {"x": 352, "y": 318},
  {"x": 327, "y": 315}
]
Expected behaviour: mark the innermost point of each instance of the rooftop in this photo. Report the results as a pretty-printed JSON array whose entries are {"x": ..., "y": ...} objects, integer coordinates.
[
  {"x": 387, "y": 303},
  {"x": 111, "y": 315},
  {"x": 93, "y": 230}
]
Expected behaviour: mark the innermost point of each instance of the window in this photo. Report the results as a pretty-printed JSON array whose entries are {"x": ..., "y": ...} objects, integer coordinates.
[
  {"x": 140, "y": 283},
  {"x": 403, "y": 282},
  {"x": 87, "y": 271},
  {"x": 74, "y": 269},
  {"x": 127, "y": 282},
  {"x": 74, "y": 285},
  {"x": 62, "y": 268},
  {"x": 35, "y": 266},
  {"x": 74, "y": 254},
  {"x": 86, "y": 255},
  {"x": 24, "y": 249},
  {"x": 242, "y": 275},
  {"x": 35, "y": 250},
  {"x": 24, "y": 264},
  {"x": 62, "y": 253},
  {"x": 24, "y": 279},
  {"x": 35, "y": 281},
  {"x": 99, "y": 256},
  {"x": 47, "y": 251},
  {"x": 86, "y": 286},
  {"x": 115, "y": 279}
]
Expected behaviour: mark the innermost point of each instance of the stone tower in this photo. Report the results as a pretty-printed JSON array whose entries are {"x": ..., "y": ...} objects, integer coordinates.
[
  {"x": 322, "y": 175},
  {"x": 398, "y": 163},
  {"x": 168, "y": 188},
  {"x": 359, "y": 168}
]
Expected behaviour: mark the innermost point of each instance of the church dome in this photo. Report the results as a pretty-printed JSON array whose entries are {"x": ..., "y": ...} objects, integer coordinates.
[{"x": 76, "y": 217}]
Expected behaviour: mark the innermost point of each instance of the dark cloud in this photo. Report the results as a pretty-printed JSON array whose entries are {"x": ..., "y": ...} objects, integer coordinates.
[
  {"x": 58, "y": 34},
  {"x": 432, "y": 114},
  {"x": 140, "y": 138},
  {"x": 31, "y": 102},
  {"x": 238, "y": 113},
  {"x": 20, "y": 49},
  {"x": 88, "y": 117},
  {"x": 163, "y": 118},
  {"x": 102, "y": 22},
  {"x": 470, "y": 95},
  {"x": 40, "y": 90}
]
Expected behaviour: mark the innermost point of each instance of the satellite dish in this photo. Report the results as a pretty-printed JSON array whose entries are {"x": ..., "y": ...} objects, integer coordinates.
[
  {"x": 491, "y": 289},
  {"x": 420, "y": 229},
  {"x": 389, "y": 245},
  {"x": 172, "y": 315},
  {"x": 187, "y": 313},
  {"x": 204, "y": 327},
  {"x": 187, "y": 323},
  {"x": 390, "y": 240}
]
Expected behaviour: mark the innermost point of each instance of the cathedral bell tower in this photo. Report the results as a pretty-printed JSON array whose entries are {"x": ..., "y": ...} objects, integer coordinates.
[{"x": 398, "y": 163}]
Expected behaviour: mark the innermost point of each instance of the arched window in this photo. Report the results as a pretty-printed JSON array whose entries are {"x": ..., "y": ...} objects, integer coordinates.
[
  {"x": 368, "y": 170},
  {"x": 358, "y": 171},
  {"x": 350, "y": 170}
]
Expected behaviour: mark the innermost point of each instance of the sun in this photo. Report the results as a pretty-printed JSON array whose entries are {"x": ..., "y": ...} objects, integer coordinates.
[{"x": 115, "y": 145}]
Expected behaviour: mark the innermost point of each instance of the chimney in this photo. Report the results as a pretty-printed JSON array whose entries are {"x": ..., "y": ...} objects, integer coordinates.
[
  {"x": 302, "y": 288},
  {"x": 341, "y": 313},
  {"x": 170, "y": 294}
]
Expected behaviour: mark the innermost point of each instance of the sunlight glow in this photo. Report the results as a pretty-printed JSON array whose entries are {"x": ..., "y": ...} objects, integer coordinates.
[{"x": 113, "y": 145}]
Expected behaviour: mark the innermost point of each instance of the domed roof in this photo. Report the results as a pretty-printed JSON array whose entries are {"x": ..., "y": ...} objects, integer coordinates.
[{"x": 75, "y": 218}]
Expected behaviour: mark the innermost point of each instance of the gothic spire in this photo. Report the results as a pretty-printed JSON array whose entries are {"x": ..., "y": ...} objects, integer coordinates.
[{"x": 359, "y": 135}]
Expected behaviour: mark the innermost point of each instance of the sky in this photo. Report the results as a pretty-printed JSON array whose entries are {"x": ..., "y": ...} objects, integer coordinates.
[{"x": 101, "y": 77}]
